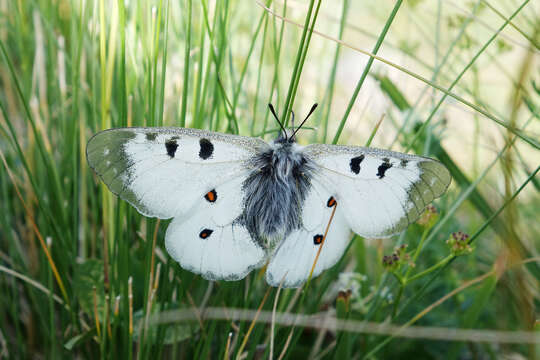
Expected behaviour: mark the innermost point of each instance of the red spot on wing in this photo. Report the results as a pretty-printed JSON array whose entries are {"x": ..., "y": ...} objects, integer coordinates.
[
  {"x": 331, "y": 202},
  {"x": 211, "y": 196},
  {"x": 205, "y": 233}
]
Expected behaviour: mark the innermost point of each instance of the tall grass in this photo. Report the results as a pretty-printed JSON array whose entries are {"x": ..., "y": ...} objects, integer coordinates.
[{"x": 82, "y": 273}]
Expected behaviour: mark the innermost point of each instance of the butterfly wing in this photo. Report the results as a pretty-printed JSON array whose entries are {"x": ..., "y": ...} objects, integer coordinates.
[
  {"x": 293, "y": 259},
  {"x": 212, "y": 240},
  {"x": 164, "y": 172},
  {"x": 192, "y": 175},
  {"x": 381, "y": 192}
]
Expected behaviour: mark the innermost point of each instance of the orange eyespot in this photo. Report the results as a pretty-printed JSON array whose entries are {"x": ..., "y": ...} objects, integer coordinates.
[
  {"x": 331, "y": 202},
  {"x": 211, "y": 196},
  {"x": 317, "y": 239},
  {"x": 205, "y": 233}
]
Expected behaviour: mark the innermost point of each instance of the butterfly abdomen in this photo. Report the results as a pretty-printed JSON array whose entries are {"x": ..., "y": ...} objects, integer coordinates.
[{"x": 274, "y": 192}]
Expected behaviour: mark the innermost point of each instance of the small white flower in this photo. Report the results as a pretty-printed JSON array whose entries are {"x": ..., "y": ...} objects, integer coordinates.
[{"x": 347, "y": 281}]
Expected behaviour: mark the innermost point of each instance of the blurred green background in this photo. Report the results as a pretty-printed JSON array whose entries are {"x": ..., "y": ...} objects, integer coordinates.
[{"x": 83, "y": 274}]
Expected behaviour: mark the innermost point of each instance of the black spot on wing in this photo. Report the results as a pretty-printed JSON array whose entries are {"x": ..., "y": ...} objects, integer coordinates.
[
  {"x": 381, "y": 170},
  {"x": 207, "y": 149},
  {"x": 403, "y": 162},
  {"x": 171, "y": 146},
  {"x": 317, "y": 239},
  {"x": 355, "y": 163},
  {"x": 205, "y": 234},
  {"x": 151, "y": 136}
]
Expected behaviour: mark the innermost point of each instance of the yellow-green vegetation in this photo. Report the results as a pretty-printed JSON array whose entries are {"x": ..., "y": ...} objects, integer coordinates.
[{"x": 83, "y": 274}]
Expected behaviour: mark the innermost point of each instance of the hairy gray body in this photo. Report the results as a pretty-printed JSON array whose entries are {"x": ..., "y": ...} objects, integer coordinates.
[{"x": 275, "y": 191}]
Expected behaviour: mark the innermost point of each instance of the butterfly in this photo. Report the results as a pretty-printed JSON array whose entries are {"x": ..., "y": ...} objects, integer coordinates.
[{"x": 238, "y": 203}]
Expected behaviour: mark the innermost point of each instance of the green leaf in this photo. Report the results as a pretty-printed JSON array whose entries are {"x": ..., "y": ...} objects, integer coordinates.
[
  {"x": 343, "y": 347},
  {"x": 78, "y": 339},
  {"x": 392, "y": 91}
]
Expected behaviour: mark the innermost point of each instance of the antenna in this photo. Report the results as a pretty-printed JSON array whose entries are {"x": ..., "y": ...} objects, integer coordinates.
[
  {"x": 275, "y": 116},
  {"x": 308, "y": 115}
]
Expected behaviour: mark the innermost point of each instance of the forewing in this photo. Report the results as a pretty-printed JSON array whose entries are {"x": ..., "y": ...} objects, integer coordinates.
[
  {"x": 381, "y": 192},
  {"x": 293, "y": 259},
  {"x": 164, "y": 171},
  {"x": 211, "y": 240}
]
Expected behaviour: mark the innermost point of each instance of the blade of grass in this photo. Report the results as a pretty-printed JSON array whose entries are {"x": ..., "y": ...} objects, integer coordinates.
[
  {"x": 36, "y": 231},
  {"x": 187, "y": 51},
  {"x": 259, "y": 75},
  {"x": 477, "y": 108},
  {"x": 302, "y": 47},
  {"x": 273, "y": 325},
  {"x": 323, "y": 321},
  {"x": 517, "y": 28},
  {"x": 34, "y": 283},
  {"x": 243, "y": 72},
  {"x": 329, "y": 96},
  {"x": 375, "y": 50},
  {"x": 290, "y": 105},
  {"x": 467, "y": 284},
  {"x": 46, "y": 157},
  {"x": 460, "y": 75},
  {"x": 374, "y": 131},
  {"x": 447, "y": 262},
  {"x": 252, "y": 325}
]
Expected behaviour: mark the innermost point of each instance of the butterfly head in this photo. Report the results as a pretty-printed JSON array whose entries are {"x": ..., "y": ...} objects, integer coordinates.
[
  {"x": 289, "y": 135},
  {"x": 286, "y": 136}
]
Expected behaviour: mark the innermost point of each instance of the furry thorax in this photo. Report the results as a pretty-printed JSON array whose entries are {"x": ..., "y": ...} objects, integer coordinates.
[{"x": 275, "y": 191}]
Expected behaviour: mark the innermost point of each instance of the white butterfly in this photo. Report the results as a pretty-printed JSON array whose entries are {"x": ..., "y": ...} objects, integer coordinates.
[{"x": 239, "y": 202}]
